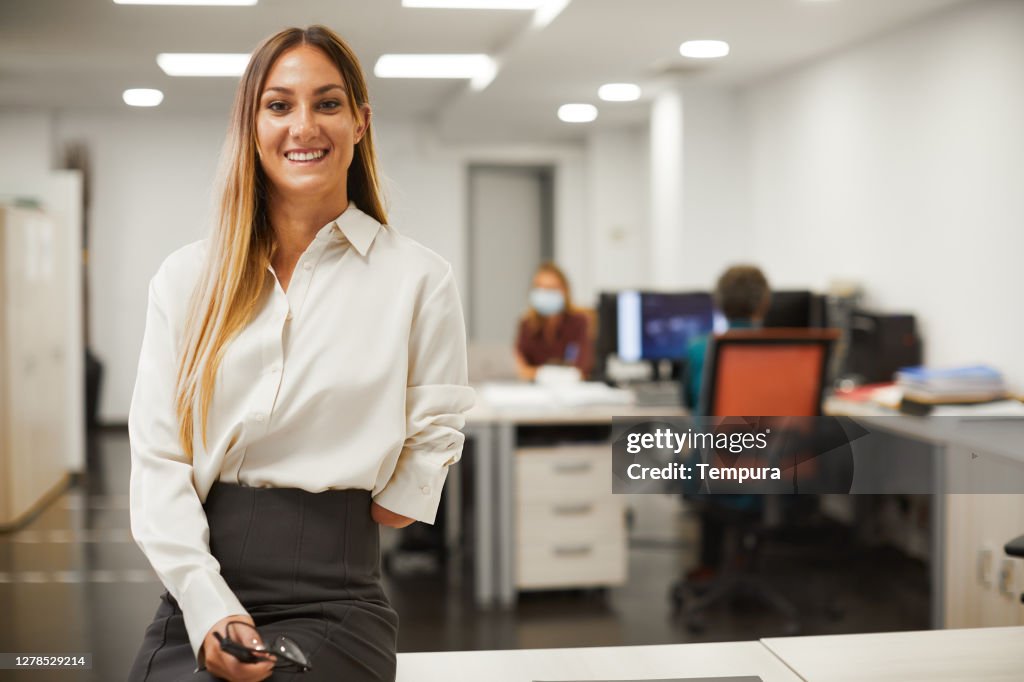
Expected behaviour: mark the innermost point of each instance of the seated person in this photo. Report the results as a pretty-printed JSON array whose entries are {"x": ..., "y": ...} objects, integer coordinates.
[
  {"x": 552, "y": 331},
  {"x": 743, "y": 296}
]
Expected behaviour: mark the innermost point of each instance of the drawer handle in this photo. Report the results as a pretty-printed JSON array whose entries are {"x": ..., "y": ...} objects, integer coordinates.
[
  {"x": 573, "y": 550},
  {"x": 573, "y": 509},
  {"x": 573, "y": 467}
]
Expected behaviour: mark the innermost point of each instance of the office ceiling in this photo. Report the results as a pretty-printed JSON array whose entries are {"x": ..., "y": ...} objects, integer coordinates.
[{"x": 71, "y": 55}]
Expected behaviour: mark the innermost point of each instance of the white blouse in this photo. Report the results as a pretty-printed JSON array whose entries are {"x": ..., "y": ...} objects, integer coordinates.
[{"x": 354, "y": 378}]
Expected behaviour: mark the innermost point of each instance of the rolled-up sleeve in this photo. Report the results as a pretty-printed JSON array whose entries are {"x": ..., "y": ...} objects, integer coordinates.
[
  {"x": 437, "y": 397},
  {"x": 167, "y": 517}
]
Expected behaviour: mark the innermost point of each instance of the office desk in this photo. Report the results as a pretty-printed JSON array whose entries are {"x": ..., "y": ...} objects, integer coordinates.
[
  {"x": 969, "y": 456},
  {"x": 977, "y": 655},
  {"x": 946, "y": 655},
  {"x": 494, "y": 431},
  {"x": 598, "y": 663}
]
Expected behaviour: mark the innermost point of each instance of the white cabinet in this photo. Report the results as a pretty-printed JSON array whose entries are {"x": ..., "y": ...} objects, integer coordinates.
[
  {"x": 33, "y": 376},
  {"x": 570, "y": 529}
]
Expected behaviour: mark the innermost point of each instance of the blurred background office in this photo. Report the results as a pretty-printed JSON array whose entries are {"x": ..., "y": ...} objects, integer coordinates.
[{"x": 867, "y": 155}]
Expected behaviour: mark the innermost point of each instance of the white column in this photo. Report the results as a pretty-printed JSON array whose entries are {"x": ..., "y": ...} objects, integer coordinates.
[{"x": 667, "y": 190}]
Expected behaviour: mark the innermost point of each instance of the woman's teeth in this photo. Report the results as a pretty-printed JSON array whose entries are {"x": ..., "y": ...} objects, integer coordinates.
[{"x": 305, "y": 156}]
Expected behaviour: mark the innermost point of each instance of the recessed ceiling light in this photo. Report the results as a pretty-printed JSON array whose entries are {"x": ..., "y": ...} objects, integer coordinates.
[
  {"x": 142, "y": 97},
  {"x": 704, "y": 49},
  {"x": 577, "y": 113},
  {"x": 475, "y": 66},
  {"x": 196, "y": 64},
  {"x": 185, "y": 2},
  {"x": 619, "y": 92},
  {"x": 475, "y": 4}
]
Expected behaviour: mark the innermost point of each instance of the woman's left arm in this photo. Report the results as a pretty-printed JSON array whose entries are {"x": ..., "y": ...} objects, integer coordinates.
[{"x": 437, "y": 397}]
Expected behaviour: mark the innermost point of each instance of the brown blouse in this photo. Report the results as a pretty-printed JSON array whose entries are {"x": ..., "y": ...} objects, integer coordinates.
[{"x": 569, "y": 345}]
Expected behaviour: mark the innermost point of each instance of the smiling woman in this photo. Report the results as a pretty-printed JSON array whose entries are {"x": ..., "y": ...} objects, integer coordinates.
[{"x": 319, "y": 418}]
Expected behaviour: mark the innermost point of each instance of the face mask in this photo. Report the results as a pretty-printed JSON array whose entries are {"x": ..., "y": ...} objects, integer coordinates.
[{"x": 547, "y": 302}]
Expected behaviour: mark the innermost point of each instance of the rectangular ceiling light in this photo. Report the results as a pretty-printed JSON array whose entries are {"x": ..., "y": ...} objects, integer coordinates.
[
  {"x": 474, "y": 66},
  {"x": 185, "y": 2},
  {"x": 195, "y": 64},
  {"x": 475, "y": 4}
]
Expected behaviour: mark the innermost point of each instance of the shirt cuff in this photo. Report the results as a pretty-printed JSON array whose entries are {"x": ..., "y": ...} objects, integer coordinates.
[
  {"x": 206, "y": 600},
  {"x": 415, "y": 488}
]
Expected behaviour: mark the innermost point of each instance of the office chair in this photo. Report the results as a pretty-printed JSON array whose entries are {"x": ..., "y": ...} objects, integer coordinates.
[{"x": 754, "y": 372}]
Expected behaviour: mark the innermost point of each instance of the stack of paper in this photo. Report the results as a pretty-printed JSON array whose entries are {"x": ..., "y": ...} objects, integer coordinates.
[
  {"x": 580, "y": 394},
  {"x": 974, "y": 384}
]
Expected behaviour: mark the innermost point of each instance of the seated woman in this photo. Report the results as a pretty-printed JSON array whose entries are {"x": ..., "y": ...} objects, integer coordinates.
[{"x": 552, "y": 331}]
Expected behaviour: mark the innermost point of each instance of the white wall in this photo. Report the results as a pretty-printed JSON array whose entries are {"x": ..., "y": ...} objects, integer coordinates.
[
  {"x": 667, "y": 192},
  {"x": 618, "y": 201},
  {"x": 421, "y": 183},
  {"x": 27, "y": 140},
  {"x": 901, "y": 164},
  {"x": 716, "y": 208},
  {"x": 699, "y": 186},
  {"x": 151, "y": 180}
]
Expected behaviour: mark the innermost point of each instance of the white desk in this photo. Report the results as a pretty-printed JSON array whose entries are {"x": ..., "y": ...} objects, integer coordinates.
[
  {"x": 970, "y": 456},
  {"x": 598, "y": 663},
  {"x": 494, "y": 431},
  {"x": 978, "y": 655},
  {"x": 935, "y": 655}
]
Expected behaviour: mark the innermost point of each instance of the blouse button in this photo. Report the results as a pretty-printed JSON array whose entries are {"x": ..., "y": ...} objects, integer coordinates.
[
  {"x": 307, "y": 266},
  {"x": 425, "y": 490},
  {"x": 259, "y": 416}
]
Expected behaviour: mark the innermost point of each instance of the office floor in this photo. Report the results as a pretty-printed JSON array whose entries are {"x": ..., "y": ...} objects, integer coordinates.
[{"x": 72, "y": 581}]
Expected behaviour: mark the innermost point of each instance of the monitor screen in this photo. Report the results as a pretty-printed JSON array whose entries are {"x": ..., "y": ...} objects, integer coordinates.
[{"x": 661, "y": 326}]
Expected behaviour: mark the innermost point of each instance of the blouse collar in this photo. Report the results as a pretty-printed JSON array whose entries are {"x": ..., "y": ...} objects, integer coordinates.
[{"x": 359, "y": 228}]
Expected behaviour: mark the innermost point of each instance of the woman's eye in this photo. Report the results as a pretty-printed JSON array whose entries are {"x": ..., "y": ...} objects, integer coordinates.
[
  {"x": 330, "y": 104},
  {"x": 277, "y": 106}
]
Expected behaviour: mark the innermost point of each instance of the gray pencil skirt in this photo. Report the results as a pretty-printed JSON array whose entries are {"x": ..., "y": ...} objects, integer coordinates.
[{"x": 305, "y": 565}]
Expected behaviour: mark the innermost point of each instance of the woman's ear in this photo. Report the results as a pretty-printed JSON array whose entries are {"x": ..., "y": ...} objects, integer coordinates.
[{"x": 363, "y": 123}]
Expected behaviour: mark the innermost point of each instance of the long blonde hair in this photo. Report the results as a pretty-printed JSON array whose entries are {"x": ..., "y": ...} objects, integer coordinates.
[{"x": 229, "y": 291}]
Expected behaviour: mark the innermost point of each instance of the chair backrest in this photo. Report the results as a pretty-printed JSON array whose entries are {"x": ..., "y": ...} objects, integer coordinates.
[{"x": 767, "y": 372}]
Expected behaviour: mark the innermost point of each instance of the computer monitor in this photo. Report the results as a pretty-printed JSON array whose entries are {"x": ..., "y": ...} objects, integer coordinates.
[
  {"x": 660, "y": 326},
  {"x": 795, "y": 309},
  {"x": 880, "y": 345}
]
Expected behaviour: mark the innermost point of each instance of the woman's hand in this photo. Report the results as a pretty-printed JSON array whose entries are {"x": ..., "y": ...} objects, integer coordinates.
[
  {"x": 223, "y": 665},
  {"x": 386, "y": 517}
]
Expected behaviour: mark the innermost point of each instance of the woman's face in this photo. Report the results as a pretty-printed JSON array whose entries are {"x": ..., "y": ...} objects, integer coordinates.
[{"x": 305, "y": 128}]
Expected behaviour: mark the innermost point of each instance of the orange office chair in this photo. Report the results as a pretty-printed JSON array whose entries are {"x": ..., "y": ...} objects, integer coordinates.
[
  {"x": 755, "y": 373},
  {"x": 767, "y": 372}
]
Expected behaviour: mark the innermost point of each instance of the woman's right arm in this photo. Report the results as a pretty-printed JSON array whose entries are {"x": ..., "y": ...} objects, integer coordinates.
[{"x": 167, "y": 517}]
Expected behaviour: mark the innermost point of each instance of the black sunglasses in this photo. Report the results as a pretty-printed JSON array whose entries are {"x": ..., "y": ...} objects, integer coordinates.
[{"x": 243, "y": 642}]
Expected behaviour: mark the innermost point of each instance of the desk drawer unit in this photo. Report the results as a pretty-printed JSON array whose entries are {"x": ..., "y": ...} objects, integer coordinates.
[{"x": 570, "y": 529}]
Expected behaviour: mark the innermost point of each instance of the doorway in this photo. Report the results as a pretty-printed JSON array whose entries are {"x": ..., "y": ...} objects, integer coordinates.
[{"x": 511, "y": 231}]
